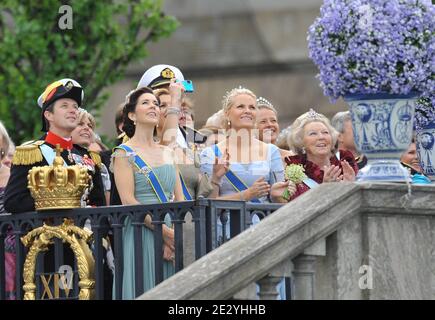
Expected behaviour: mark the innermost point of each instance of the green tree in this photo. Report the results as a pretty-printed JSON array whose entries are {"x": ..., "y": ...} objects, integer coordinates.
[{"x": 36, "y": 49}]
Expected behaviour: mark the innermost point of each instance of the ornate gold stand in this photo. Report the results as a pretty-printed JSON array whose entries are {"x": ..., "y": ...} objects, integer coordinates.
[{"x": 41, "y": 238}]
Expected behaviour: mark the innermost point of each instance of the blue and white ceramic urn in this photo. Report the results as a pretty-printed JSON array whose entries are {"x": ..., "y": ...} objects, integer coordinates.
[{"x": 383, "y": 128}]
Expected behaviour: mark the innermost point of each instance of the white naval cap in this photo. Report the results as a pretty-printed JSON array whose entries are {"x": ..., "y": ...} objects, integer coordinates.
[{"x": 159, "y": 75}]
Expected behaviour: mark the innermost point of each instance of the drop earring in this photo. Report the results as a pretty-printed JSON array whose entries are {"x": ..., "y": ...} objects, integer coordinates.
[{"x": 134, "y": 122}]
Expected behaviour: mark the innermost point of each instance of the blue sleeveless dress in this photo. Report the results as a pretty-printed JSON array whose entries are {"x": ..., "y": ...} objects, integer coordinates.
[
  {"x": 145, "y": 195},
  {"x": 271, "y": 169}
]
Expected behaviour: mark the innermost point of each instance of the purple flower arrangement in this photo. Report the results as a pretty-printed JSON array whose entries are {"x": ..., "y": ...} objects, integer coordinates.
[{"x": 373, "y": 46}]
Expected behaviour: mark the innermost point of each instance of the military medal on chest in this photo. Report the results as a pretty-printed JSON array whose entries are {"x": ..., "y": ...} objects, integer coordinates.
[
  {"x": 70, "y": 157},
  {"x": 84, "y": 161}
]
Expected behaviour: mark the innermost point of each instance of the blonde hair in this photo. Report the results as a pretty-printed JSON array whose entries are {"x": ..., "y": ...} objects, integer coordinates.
[
  {"x": 282, "y": 139},
  {"x": 228, "y": 101},
  {"x": 6, "y": 140},
  {"x": 216, "y": 120},
  {"x": 187, "y": 102},
  {"x": 209, "y": 130},
  {"x": 295, "y": 138},
  {"x": 83, "y": 113},
  {"x": 161, "y": 92}
]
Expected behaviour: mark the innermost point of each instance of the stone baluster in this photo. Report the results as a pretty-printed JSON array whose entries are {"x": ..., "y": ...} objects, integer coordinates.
[
  {"x": 268, "y": 284},
  {"x": 268, "y": 287},
  {"x": 304, "y": 271}
]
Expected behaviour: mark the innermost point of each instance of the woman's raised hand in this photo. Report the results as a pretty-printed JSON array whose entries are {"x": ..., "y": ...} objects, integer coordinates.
[
  {"x": 336, "y": 174},
  {"x": 176, "y": 91},
  {"x": 332, "y": 174},
  {"x": 221, "y": 166},
  {"x": 348, "y": 172}
]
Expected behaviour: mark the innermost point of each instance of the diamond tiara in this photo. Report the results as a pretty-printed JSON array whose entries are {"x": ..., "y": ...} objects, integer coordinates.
[
  {"x": 230, "y": 93},
  {"x": 264, "y": 102},
  {"x": 311, "y": 114}
]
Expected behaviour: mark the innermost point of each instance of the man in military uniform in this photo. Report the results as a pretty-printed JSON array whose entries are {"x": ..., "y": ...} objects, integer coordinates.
[{"x": 60, "y": 102}]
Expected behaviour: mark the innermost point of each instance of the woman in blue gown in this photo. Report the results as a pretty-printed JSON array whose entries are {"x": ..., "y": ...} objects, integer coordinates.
[
  {"x": 256, "y": 167},
  {"x": 136, "y": 184}
]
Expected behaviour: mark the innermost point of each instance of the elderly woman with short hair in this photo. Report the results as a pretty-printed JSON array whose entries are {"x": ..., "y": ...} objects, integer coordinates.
[{"x": 314, "y": 140}]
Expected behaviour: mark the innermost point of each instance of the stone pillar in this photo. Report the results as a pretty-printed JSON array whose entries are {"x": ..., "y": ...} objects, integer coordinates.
[
  {"x": 268, "y": 287},
  {"x": 304, "y": 277},
  {"x": 304, "y": 271},
  {"x": 268, "y": 284}
]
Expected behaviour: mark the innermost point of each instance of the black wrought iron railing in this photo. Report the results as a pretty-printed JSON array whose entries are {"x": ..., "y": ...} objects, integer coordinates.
[{"x": 212, "y": 220}]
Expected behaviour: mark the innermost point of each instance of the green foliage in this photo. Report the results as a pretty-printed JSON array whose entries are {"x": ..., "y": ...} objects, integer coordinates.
[{"x": 106, "y": 36}]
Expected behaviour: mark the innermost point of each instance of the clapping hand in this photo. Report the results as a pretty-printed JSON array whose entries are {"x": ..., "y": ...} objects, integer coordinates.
[
  {"x": 336, "y": 174},
  {"x": 348, "y": 172},
  {"x": 221, "y": 166},
  {"x": 332, "y": 174}
]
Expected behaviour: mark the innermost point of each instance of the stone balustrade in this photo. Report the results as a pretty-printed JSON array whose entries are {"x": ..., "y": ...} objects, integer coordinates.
[{"x": 344, "y": 241}]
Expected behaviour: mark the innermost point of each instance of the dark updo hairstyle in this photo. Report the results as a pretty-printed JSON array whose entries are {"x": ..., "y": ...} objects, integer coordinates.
[{"x": 130, "y": 106}]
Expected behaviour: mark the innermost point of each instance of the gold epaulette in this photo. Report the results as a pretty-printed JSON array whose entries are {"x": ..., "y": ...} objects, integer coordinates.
[
  {"x": 28, "y": 153},
  {"x": 96, "y": 158}
]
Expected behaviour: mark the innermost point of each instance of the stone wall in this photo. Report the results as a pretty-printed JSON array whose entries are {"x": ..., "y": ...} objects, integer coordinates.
[{"x": 394, "y": 240}]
